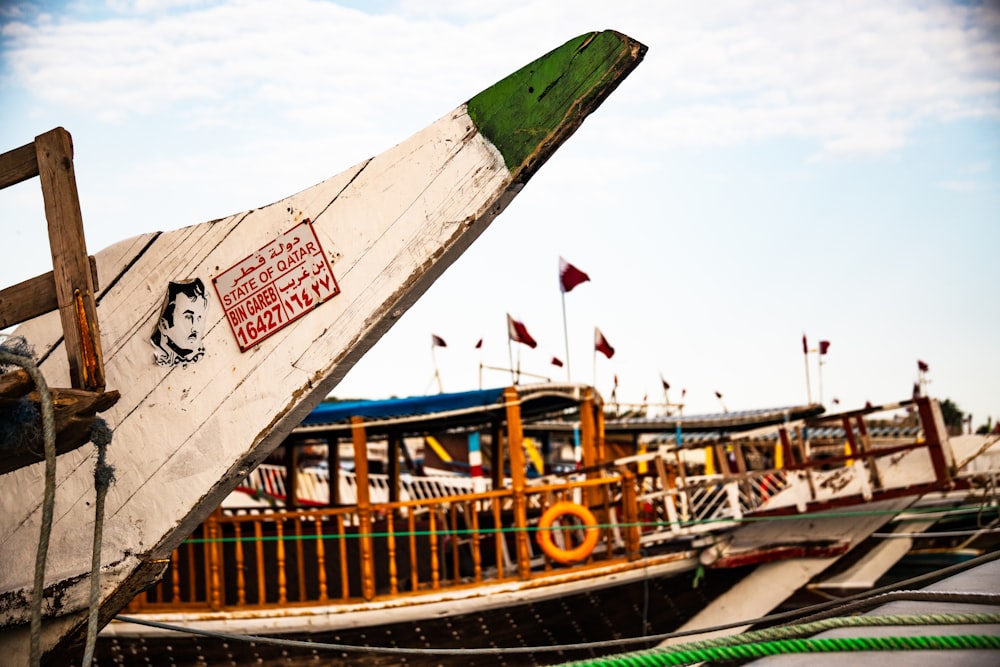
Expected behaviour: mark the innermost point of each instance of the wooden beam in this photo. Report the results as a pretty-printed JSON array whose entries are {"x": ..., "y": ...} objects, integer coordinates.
[
  {"x": 71, "y": 269},
  {"x": 75, "y": 411},
  {"x": 18, "y": 165},
  {"x": 33, "y": 297}
]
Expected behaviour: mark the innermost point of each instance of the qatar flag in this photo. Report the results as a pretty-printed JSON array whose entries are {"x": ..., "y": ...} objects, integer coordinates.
[
  {"x": 570, "y": 276},
  {"x": 437, "y": 341},
  {"x": 602, "y": 345},
  {"x": 518, "y": 333}
]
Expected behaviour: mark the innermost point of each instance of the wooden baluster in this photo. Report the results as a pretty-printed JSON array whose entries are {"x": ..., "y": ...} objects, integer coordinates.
[
  {"x": 279, "y": 525},
  {"x": 477, "y": 558},
  {"x": 345, "y": 584},
  {"x": 456, "y": 570},
  {"x": 241, "y": 582},
  {"x": 321, "y": 560},
  {"x": 300, "y": 557},
  {"x": 435, "y": 575},
  {"x": 258, "y": 533},
  {"x": 213, "y": 558},
  {"x": 414, "y": 574},
  {"x": 175, "y": 576},
  {"x": 391, "y": 546},
  {"x": 498, "y": 538},
  {"x": 192, "y": 571}
]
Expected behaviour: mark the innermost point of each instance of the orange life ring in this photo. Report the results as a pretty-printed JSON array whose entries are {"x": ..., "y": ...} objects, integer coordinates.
[{"x": 544, "y": 536}]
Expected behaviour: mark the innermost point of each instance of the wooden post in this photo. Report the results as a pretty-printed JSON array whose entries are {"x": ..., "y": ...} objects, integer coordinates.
[
  {"x": 866, "y": 451},
  {"x": 71, "y": 267},
  {"x": 852, "y": 442},
  {"x": 364, "y": 507},
  {"x": 291, "y": 474},
  {"x": 515, "y": 448},
  {"x": 394, "y": 439},
  {"x": 933, "y": 425},
  {"x": 788, "y": 458},
  {"x": 630, "y": 512}
]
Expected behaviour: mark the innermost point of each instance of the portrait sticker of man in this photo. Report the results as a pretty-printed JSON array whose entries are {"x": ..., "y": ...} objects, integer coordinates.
[{"x": 177, "y": 338}]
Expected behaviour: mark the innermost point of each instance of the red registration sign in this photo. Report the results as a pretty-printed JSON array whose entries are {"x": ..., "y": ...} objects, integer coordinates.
[{"x": 276, "y": 285}]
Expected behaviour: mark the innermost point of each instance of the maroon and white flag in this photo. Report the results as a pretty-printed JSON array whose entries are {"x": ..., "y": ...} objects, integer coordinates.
[
  {"x": 518, "y": 333},
  {"x": 602, "y": 345},
  {"x": 570, "y": 276},
  {"x": 824, "y": 345},
  {"x": 437, "y": 341},
  {"x": 556, "y": 361}
]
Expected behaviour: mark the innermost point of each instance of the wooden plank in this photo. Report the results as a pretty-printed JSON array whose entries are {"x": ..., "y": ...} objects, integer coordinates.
[
  {"x": 18, "y": 165},
  {"x": 33, "y": 297},
  {"x": 71, "y": 268},
  {"x": 75, "y": 411}
]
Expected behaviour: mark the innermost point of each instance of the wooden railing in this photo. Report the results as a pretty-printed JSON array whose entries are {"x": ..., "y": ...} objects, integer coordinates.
[
  {"x": 317, "y": 556},
  {"x": 384, "y": 549}
]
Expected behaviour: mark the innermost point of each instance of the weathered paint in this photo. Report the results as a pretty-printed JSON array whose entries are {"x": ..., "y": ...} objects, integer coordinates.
[
  {"x": 185, "y": 436},
  {"x": 537, "y": 105}
]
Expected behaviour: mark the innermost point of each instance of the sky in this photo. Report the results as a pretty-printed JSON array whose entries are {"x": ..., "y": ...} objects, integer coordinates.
[{"x": 771, "y": 170}]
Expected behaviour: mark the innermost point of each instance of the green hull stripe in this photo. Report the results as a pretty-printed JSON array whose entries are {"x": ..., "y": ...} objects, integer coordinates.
[{"x": 531, "y": 112}]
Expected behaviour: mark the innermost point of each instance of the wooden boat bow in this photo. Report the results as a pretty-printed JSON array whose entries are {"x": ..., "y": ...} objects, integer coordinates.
[{"x": 192, "y": 422}]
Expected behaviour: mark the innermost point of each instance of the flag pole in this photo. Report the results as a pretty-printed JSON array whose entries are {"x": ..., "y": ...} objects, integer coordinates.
[
  {"x": 819, "y": 372},
  {"x": 510, "y": 359},
  {"x": 595, "y": 359},
  {"x": 437, "y": 374},
  {"x": 805, "y": 357},
  {"x": 565, "y": 334}
]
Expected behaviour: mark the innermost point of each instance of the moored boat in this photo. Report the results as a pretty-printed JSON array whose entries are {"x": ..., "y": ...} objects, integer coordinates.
[
  {"x": 223, "y": 336},
  {"x": 383, "y": 571}
]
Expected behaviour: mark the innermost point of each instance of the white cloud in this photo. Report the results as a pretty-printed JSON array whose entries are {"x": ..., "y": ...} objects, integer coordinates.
[{"x": 856, "y": 77}]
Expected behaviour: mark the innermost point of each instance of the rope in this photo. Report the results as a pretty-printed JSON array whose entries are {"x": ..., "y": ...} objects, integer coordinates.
[
  {"x": 795, "y": 632},
  {"x": 104, "y": 476},
  {"x": 9, "y": 356},
  {"x": 723, "y": 642},
  {"x": 798, "y": 646}
]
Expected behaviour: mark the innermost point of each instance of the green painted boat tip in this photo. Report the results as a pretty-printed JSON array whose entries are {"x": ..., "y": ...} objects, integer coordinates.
[{"x": 533, "y": 111}]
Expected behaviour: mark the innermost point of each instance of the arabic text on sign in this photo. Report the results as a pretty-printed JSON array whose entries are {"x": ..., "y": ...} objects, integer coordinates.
[{"x": 276, "y": 285}]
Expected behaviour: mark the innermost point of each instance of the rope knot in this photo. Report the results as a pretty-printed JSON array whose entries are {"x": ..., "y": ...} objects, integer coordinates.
[{"x": 104, "y": 472}]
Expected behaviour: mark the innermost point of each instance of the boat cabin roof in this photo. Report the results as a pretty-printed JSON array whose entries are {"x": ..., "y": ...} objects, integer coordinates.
[{"x": 414, "y": 415}]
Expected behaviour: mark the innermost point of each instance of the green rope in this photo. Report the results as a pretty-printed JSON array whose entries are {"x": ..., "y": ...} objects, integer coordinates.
[
  {"x": 48, "y": 500},
  {"x": 799, "y": 646},
  {"x": 762, "y": 642}
]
